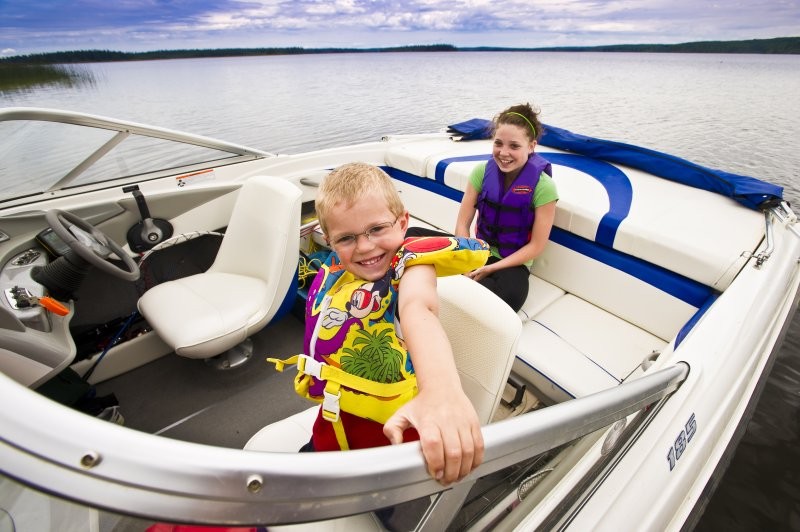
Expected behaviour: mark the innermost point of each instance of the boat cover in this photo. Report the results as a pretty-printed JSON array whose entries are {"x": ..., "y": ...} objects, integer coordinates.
[
  {"x": 474, "y": 129},
  {"x": 749, "y": 191}
]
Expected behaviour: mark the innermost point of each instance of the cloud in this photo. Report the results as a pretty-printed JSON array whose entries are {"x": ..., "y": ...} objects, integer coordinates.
[{"x": 159, "y": 24}]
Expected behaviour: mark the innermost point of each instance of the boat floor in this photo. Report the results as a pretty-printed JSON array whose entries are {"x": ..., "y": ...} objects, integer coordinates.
[{"x": 191, "y": 400}]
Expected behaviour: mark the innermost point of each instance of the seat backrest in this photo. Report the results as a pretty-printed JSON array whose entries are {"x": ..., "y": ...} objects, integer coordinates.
[
  {"x": 484, "y": 333},
  {"x": 263, "y": 235},
  {"x": 203, "y": 315}
]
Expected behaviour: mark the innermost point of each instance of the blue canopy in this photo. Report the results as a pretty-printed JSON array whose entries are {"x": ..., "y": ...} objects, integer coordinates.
[
  {"x": 474, "y": 129},
  {"x": 749, "y": 191}
]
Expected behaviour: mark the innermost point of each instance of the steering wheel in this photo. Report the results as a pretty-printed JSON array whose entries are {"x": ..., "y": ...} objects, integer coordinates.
[{"x": 91, "y": 244}]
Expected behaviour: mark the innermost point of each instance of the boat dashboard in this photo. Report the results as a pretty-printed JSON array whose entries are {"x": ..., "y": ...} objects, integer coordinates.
[
  {"x": 41, "y": 282},
  {"x": 21, "y": 294},
  {"x": 36, "y": 343}
]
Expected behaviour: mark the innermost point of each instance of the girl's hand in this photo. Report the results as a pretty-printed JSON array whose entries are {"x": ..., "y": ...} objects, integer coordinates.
[{"x": 480, "y": 273}]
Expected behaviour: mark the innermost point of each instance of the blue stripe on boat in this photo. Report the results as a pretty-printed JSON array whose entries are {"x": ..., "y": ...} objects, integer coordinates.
[
  {"x": 683, "y": 288},
  {"x": 424, "y": 183},
  {"x": 618, "y": 189},
  {"x": 442, "y": 165}
]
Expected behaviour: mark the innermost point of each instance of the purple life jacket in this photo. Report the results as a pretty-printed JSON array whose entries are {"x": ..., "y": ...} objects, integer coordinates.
[{"x": 505, "y": 217}]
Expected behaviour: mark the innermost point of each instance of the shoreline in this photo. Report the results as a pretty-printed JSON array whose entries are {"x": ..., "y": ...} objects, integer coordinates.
[{"x": 779, "y": 45}]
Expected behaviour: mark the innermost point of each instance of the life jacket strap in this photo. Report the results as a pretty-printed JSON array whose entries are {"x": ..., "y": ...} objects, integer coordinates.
[
  {"x": 341, "y": 437},
  {"x": 331, "y": 410},
  {"x": 330, "y": 401},
  {"x": 346, "y": 392},
  {"x": 280, "y": 364}
]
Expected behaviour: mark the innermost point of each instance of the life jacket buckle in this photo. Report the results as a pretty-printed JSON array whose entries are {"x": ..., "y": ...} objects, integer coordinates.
[
  {"x": 330, "y": 406},
  {"x": 309, "y": 366}
]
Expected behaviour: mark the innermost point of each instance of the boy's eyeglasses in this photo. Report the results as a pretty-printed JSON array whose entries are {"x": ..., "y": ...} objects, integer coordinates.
[{"x": 373, "y": 234}]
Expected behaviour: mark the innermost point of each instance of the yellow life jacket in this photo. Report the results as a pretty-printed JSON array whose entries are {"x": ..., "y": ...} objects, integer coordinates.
[{"x": 357, "y": 361}]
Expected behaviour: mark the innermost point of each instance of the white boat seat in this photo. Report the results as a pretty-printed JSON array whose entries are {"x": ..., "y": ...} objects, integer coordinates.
[
  {"x": 540, "y": 295},
  {"x": 203, "y": 315},
  {"x": 286, "y": 435},
  {"x": 572, "y": 349},
  {"x": 622, "y": 209},
  {"x": 484, "y": 334}
]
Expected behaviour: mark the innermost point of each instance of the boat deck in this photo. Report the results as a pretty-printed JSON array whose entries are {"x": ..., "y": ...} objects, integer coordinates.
[{"x": 190, "y": 400}]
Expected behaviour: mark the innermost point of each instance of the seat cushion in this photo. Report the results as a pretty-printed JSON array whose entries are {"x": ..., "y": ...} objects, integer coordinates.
[
  {"x": 540, "y": 295},
  {"x": 205, "y": 313},
  {"x": 573, "y": 348}
]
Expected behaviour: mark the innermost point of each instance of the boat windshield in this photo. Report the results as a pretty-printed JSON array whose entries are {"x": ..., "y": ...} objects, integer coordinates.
[{"x": 49, "y": 152}]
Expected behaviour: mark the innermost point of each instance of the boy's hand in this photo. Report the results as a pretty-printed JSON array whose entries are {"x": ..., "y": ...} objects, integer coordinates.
[{"x": 450, "y": 434}]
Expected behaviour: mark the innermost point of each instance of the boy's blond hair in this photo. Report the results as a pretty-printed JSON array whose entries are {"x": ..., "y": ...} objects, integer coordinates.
[{"x": 348, "y": 182}]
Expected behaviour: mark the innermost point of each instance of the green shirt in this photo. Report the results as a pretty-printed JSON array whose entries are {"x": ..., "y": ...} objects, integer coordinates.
[{"x": 544, "y": 193}]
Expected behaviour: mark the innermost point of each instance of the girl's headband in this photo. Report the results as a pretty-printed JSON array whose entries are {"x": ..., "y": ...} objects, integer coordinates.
[{"x": 526, "y": 119}]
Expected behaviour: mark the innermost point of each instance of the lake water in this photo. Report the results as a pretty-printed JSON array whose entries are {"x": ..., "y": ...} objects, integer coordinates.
[{"x": 738, "y": 113}]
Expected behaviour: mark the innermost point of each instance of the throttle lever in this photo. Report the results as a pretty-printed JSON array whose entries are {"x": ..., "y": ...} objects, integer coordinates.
[
  {"x": 150, "y": 231},
  {"x": 140, "y": 201}
]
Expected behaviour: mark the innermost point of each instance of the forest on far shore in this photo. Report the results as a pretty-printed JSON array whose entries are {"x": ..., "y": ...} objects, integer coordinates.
[{"x": 779, "y": 45}]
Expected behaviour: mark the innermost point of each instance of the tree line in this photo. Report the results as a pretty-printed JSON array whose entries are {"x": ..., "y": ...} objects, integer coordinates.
[
  {"x": 779, "y": 45},
  {"x": 100, "y": 56}
]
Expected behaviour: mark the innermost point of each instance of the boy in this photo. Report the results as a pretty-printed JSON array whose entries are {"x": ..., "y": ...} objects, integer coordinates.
[{"x": 380, "y": 384}]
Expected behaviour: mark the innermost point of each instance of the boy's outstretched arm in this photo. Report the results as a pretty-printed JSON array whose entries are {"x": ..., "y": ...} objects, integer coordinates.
[{"x": 445, "y": 419}]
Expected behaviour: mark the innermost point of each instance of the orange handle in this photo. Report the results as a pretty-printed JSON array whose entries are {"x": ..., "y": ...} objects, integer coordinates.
[{"x": 53, "y": 306}]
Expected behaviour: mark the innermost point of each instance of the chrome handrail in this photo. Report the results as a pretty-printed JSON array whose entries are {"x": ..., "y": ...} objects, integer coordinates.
[
  {"x": 787, "y": 217},
  {"x": 74, "y": 456},
  {"x": 762, "y": 257}
]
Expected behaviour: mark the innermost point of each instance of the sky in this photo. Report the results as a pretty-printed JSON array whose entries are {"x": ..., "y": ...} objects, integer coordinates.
[{"x": 36, "y": 26}]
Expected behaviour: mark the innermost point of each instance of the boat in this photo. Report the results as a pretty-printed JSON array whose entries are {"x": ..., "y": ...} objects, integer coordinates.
[{"x": 148, "y": 273}]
